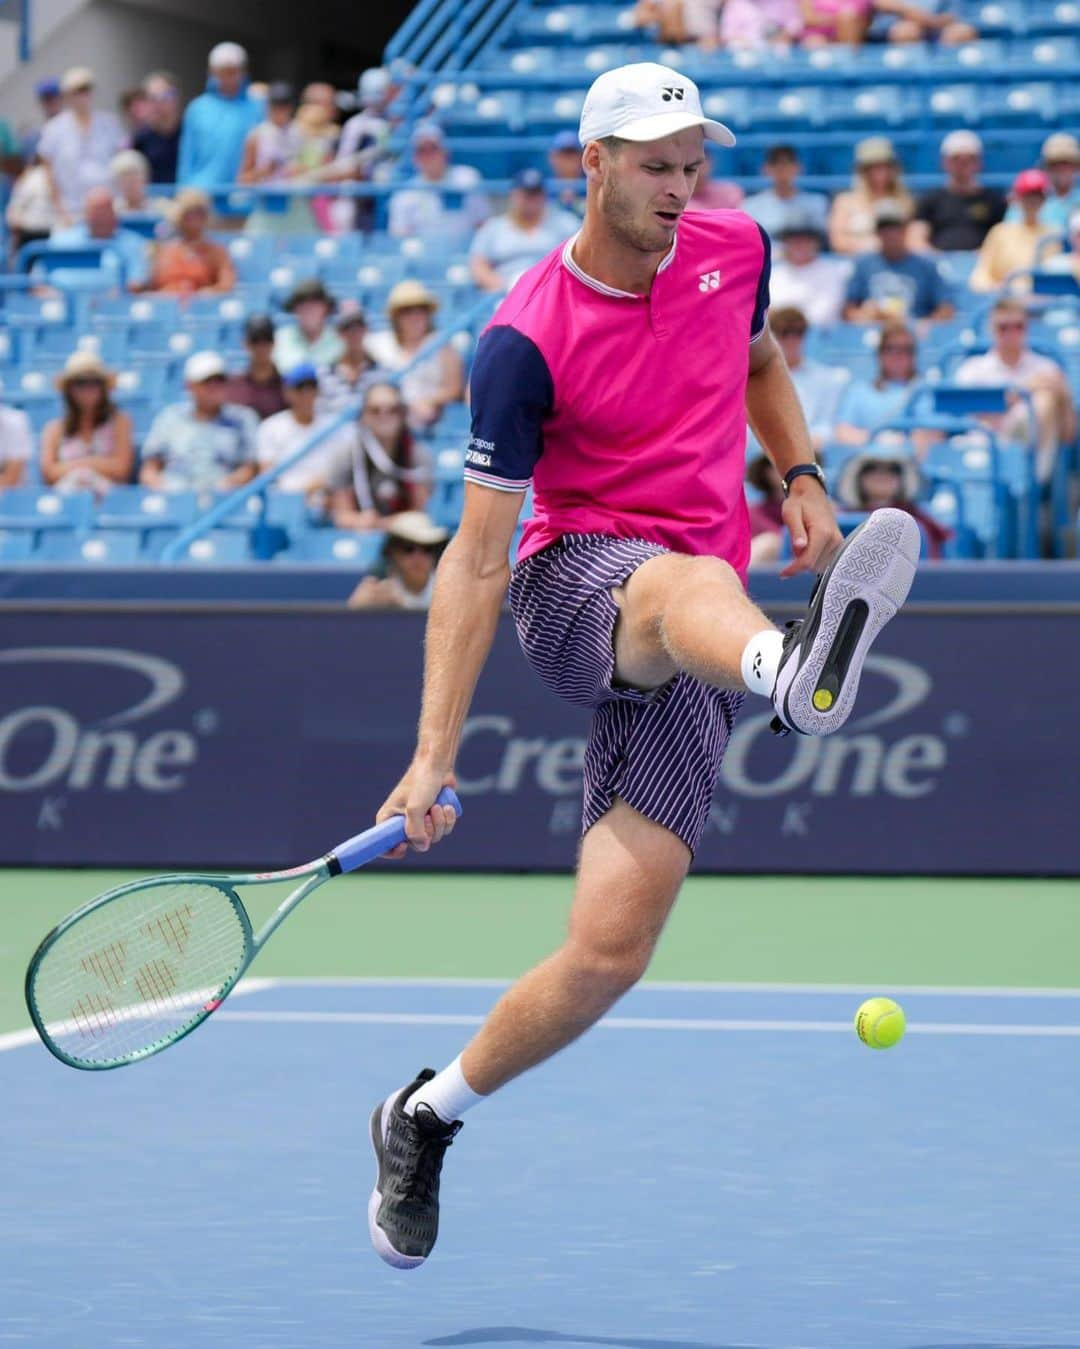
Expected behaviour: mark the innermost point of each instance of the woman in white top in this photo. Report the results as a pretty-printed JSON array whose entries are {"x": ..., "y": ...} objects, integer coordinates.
[{"x": 436, "y": 381}]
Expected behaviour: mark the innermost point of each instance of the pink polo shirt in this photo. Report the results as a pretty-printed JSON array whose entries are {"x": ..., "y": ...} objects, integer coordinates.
[{"x": 627, "y": 413}]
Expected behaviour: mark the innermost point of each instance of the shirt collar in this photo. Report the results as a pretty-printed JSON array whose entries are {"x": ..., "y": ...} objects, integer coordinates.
[{"x": 572, "y": 267}]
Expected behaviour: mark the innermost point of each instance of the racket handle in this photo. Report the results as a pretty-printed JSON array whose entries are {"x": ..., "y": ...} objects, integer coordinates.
[{"x": 372, "y": 843}]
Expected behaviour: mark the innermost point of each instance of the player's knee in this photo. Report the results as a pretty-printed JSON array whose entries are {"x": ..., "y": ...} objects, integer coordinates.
[{"x": 611, "y": 969}]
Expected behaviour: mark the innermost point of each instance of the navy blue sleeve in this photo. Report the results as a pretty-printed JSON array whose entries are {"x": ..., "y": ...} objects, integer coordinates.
[
  {"x": 761, "y": 303},
  {"x": 511, "y": 392}
]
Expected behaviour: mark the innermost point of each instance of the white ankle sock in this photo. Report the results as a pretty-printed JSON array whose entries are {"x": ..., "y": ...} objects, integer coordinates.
[
  {"x": 761, "y": 660},
  {"x": 448, "y": 1094}
]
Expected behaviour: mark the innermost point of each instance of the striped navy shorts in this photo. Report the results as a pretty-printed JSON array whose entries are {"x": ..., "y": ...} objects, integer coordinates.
[{"x": 660, "y": 751}]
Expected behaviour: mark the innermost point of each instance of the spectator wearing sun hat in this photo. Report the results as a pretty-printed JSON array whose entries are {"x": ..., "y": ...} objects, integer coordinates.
[
  {"x": 78, "y": 144},
  {"x": 509, "y": 244},
  {"x": 1012, "y": 245},
  {"x": 878, "y": 177},
  {"x": 957, "y": 216},
  {"x": 888, "y": 476},
  {"x": 451, "y": 205},
  {"x": 89, "y": 447},
  {"x": 205, "y": 443},
  {"x": 434, "y": 382},
  {"x": 1061, "y": 162},
  {"x": 216, "y": 123},
  {"x": 192, "y": 264},
  {"x": 311, "y": 337},
  {"x": 411, "y": 553}
]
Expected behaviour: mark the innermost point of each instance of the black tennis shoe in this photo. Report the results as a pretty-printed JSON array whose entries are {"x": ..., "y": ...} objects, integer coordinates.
[
  {"x": 403, "y": 1211},
  {"x": 863, "y": 587}
]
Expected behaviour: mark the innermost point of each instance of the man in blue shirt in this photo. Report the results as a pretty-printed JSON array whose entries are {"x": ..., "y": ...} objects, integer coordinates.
[
  {"x": 776, "y": 207},
  {"x": 895, "y": 283},
  {"x": 507, "y": 245},
  {"x": 216, "y": 123},
  {"x": 205, "y": 444},
  {"x": 126, "y": 254}
]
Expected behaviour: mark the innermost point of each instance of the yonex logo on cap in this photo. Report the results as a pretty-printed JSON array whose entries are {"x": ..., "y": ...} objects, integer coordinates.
[
  {"x": 709, "y": 281},
  {"x": 672, "y": 91}
]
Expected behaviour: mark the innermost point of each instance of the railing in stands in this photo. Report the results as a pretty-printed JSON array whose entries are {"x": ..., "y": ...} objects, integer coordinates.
[{"x": 177, "y": 549}]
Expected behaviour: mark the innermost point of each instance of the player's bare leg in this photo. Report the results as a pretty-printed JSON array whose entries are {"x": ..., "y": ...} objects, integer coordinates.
[
  {"x": 628, "y": 878},
  {"x": 629, "y": 875},
  {"x": 691, "y": 614}
]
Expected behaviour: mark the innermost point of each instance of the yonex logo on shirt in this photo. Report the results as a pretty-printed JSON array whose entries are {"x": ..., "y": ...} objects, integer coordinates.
[
  {"x": 672, "y": 91},
  {"x": 709, "y": 281}
]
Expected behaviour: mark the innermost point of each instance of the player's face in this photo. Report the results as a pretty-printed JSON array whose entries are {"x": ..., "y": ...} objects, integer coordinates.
[{"x": 645, "y": 188}]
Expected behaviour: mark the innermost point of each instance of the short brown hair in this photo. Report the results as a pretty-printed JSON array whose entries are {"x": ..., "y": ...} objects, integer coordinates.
[
  {"x": 788, "y": 321},
  {"x": 1007, "y": 305}
]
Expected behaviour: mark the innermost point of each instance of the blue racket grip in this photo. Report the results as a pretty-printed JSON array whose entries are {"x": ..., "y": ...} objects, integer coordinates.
[{"x": 372, "y": 843}]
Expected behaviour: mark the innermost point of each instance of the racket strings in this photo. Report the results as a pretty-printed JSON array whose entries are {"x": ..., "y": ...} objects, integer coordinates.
[{"x": 139, "y": 971}]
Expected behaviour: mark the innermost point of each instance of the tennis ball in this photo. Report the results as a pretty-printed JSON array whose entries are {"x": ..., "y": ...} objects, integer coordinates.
[{"x": 880, "y": 1023}]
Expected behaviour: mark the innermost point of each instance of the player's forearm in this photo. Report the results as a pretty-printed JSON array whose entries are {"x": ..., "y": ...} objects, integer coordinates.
[
  {"x": 776, "y": 416},
  {"x": 461, "y": 628}
]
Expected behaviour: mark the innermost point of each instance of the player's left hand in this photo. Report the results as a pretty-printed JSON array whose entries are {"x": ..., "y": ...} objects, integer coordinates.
[{"x": 811, "y": 522}]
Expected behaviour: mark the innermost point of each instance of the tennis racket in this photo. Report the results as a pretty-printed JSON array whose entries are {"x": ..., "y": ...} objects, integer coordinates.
[{"x": 141, "y": 966}]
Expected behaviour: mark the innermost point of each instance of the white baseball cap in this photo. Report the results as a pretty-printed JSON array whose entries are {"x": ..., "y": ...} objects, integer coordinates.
[
  {"x": 202, "y": 366},
  {"x": 961, "y": 143},
  {"x": 645, "y": 102},
  {"x": 227, "y": 54}
]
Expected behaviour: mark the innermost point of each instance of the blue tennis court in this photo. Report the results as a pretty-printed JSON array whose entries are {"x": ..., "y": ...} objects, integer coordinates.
[{"x": 712, "y": 1168}]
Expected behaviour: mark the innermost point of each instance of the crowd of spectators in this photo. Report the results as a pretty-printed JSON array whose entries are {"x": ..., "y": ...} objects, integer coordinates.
[
  {"x": 148, "y": 188},
  {"x": 749, "y": 25}
]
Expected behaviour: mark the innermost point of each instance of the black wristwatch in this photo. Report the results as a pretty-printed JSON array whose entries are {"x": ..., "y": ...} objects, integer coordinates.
[{"x": 801, "y": 470}]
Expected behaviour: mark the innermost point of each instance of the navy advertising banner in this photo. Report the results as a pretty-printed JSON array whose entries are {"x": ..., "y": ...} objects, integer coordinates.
[{"x": 214, "y": 738}]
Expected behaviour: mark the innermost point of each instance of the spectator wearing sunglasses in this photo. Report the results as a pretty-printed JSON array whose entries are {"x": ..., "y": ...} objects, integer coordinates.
[
  {"x": 89, "y": 447},
  {"x": 1010, "y": 363},
  {"x": 384, "y": 470},
  {"x": 281, "y": 435},
  {"x": 204, "y": 444},
  {"x": 410, "y": 556},
  {"x": 867, "y": 403}
]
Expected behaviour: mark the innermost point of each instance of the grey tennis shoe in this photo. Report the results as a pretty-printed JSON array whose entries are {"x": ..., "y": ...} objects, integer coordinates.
[
  {"x": 403, "y": 1211},
  {"x": 863, "y": 587}
]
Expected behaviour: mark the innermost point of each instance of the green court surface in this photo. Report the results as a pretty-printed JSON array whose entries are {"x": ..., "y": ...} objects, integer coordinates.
[{"x": 868, "y": 932}]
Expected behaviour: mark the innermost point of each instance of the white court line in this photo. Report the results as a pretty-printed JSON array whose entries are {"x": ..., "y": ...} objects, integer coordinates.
[
  {"x": 16, "y": 1038},
  {"x": 683, "y": 986},
  {"x": 656, "y": 1023}
]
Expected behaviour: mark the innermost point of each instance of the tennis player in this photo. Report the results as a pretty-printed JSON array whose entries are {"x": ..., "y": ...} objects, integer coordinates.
[{"x": 617, "y": 377}]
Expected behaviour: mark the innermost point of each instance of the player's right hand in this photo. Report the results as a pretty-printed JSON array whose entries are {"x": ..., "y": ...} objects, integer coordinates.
[{"x": 414, "y": 797}]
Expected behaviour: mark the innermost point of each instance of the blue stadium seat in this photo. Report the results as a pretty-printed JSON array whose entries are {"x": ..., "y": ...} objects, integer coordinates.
[
  {"x": 42, "y": 510},
  {"x": 140, "y": 508},
  {"x": 338, "y": 547},
  {"x": 1002, "y": 17},
  {"x": 99, "y": 548},
  {"x": 252, "y": 256},
  {"x": 782, "y": 109},
  {"x": 952, "y": 105},
  {"x": 869, "y": 105},
  {"x": 220, "y": 547},
  {"x": 1008, "y": 105},
  {"x": 16, "y": 545},
  {"x": 553, "y": 110},
  {"x": 499, "y": 110}
]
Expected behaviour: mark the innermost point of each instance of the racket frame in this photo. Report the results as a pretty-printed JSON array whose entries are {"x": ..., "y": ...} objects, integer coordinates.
[
  {"x": 353, "y": 853},
  {"x": 316, "y": 874}
]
